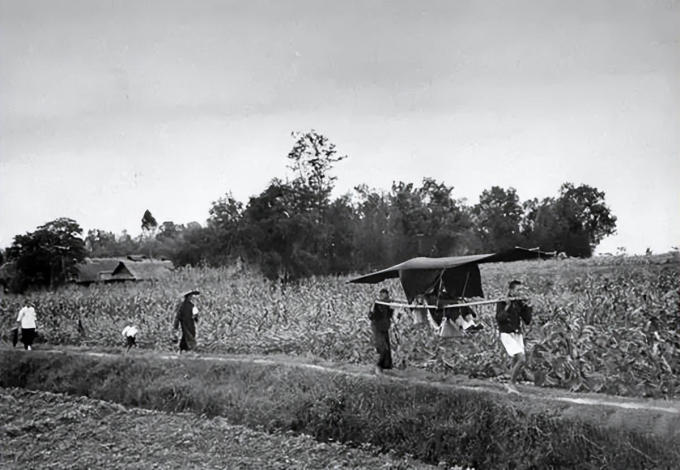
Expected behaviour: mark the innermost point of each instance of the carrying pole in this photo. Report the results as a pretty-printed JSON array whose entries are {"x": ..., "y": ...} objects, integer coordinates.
[{"x": 469, "y": 304}]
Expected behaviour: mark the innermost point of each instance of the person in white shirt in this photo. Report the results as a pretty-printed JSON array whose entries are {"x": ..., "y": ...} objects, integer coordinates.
[
  {"x": 130, "y": 333},
  {"x": 26, "y": 320}
]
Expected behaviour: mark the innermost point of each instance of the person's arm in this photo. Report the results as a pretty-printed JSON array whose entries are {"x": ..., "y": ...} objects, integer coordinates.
[
  {"x": 194, "y": 312},
  {"x": 178, "y": 315},
  {"x": 21, "y": 315},
  {"x": 501, "y": 312},
  {"x": 372, "y": 313},
  {"x": 470, "y": 311},
  {"x": 526, "y": 313}
]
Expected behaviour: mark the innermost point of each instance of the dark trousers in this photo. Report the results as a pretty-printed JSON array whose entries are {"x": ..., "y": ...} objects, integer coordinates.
[
  {"x": 27, "y": 336},
  {"x": 382, "y": 345}
]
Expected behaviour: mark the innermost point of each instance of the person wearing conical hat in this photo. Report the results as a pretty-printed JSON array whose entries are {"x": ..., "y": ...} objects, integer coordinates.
[{"x": 187, "y": 317}]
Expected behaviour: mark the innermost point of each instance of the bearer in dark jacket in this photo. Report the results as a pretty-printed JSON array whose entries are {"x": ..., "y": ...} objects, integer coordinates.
[
  {"x": 510, "y": 316},
  {"x": 381, "y": 320},
  {"x": 186, "y": 317}
]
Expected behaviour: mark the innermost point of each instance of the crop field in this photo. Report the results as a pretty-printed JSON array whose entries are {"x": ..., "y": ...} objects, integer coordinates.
[{"x": 601, "y": 325}]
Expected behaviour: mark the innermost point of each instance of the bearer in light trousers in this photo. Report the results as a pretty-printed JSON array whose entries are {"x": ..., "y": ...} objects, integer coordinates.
[{"x": 510, "y": 316}]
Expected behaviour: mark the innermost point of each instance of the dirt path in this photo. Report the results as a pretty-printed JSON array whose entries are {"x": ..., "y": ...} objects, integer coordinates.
[{"x": 528, "y": 392}]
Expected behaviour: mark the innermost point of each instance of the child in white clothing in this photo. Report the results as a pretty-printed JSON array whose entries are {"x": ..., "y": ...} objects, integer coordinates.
[{"x": 130, "y": 332}]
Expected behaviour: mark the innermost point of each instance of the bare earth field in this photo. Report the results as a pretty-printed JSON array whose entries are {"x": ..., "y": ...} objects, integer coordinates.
[{"x": 52, "y": 431}]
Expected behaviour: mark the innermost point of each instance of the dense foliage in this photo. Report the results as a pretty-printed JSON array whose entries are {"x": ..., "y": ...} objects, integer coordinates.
[
  {"x": 294, "y": 228},
  {"x": 600, "y": 325},
  {"x": 48, "y": 256}
]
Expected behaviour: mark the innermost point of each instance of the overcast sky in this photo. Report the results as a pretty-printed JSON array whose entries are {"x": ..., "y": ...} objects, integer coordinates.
[{"x": 109, "y": 108}]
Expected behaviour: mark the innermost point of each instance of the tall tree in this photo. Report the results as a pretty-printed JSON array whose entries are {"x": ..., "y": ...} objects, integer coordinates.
[
  {"x": 48, "y": 256},
  {"x": 100, "y": 243},
  {"x": 194, "y": 247},
  {"x": 574, "y": 223},
  {"x": 225, "y": 226},
  {"x": 425, "y": 220},
  {"x": 540, "y": 225},
  {"x": 339, "y": 236},
  {"x": 149, "y": 222},
  {"x": 498, "y": 216},
  {"x": 149, "y": 229},
  {"x": 586, "y": 220},
  {"x": 370, "y": 229},
  {"x": 312, "y": 158},
  {"x": 286, "y": 227},
  {"x": 281, "y": 232}
]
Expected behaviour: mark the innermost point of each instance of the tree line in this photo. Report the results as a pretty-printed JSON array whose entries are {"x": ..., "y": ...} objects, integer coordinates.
[{"x": 294, "y": 228}]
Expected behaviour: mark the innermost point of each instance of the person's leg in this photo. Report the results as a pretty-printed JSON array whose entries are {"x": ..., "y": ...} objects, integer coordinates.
[
  {"x": 388, "y": 352},
  {"x": 27, "y": 336},
  {"x": 519, "y": 360},
  {"x": 512, "y": 348},
  {"x": 382, "y": 345}
]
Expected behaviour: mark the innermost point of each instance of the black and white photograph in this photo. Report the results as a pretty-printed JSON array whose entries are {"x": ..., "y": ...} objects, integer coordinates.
[{"x": 340, "y": 234}]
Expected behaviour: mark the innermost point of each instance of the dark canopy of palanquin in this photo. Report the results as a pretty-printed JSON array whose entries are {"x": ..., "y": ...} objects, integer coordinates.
[{"x": 457, "y": 276}]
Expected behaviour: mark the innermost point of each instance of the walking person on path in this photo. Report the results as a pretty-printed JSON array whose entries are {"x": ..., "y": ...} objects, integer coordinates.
[
  {"x": 26, "y": 321},
  {"x": 130, "y": 335},
  {"x": 509, "y": 316},
  {"x": 381, "y": 320},
  {"x": 187, "y": 317}
]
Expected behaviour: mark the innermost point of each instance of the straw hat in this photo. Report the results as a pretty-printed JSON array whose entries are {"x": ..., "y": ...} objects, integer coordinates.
[{"x": 191, "y": 292}]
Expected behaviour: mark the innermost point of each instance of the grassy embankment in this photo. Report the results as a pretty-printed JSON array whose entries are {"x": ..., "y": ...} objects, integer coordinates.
[
  {"x": 460, "y": 427},
  {"x": 58, "y": 434}
]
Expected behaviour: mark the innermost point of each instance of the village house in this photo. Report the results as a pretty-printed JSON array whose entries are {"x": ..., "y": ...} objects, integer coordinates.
[{"x": 129, "y": 268}]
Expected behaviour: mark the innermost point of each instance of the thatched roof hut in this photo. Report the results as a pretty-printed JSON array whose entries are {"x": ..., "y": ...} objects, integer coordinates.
[{"x": 131, "y": 268}]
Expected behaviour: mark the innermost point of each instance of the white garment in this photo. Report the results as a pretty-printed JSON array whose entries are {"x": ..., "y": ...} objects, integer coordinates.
[
  {"x": 27, "y": 317},
  {"x": 513, "y": 342},
  {"x": 194, "y": 311},
  {"x": 130, "y": 331},
  {"x": 433, "y": 323},
  {"x": 420, "y": 316},
  {"x": 463, "y": 323}
]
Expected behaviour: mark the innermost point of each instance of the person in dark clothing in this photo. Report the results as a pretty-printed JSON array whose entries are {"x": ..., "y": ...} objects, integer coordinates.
[
  {"x": 509, "y": 316},
  {"x": 381, "y": 320},
  {"x": 187, "y": 317}
]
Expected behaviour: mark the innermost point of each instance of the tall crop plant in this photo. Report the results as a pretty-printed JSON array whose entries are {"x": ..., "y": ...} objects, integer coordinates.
[{"x": 597, "y": 327}]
